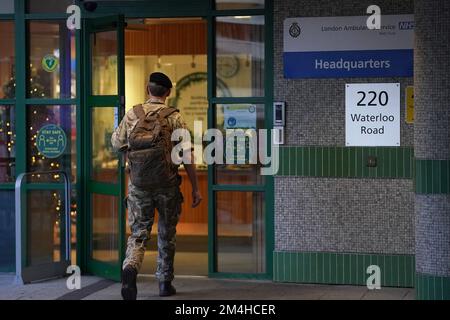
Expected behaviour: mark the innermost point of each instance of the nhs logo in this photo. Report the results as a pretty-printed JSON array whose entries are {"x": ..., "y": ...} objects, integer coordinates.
[{"x": 406, "y": 25}]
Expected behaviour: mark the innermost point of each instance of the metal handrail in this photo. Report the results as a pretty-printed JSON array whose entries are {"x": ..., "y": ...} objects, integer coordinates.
[{"x": 18, "y": 212}]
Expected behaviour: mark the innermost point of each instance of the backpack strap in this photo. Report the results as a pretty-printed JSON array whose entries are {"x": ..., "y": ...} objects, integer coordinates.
[
  {"x": 139, "y": 111},
  {"x": 165, "y": 112}
]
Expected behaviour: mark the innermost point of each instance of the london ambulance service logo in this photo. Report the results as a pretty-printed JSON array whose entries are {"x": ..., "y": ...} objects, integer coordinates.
[{"x": 295, "y": 30}]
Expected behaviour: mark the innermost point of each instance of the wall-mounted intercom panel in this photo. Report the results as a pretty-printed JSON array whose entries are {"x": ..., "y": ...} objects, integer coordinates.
[
  {"x": 278, "y": 136},
  {"x": 279, "y": 114},
  {"x": 279, "y": 121}
]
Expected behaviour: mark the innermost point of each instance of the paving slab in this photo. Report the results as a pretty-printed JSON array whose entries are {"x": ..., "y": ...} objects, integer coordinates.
[
  {"x": 387, "y": 294},
  {"x": 45, "y": 290},
  {"x": 200, "y": 288}
]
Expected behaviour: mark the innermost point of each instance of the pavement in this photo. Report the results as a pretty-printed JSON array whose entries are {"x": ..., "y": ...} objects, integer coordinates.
[{"x": 196, "y": 288}]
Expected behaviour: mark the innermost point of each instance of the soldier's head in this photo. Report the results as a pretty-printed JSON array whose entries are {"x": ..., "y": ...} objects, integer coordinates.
[{"x": 159, "y": 85}]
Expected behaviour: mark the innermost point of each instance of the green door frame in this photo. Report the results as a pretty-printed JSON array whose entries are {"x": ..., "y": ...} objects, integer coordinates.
[
  {"x": 13, "y": 103},
  {"x": 267, "y": 188},
  {"x": 21, "y": 102},
  {"x": 91, "y": 26},
  {"x": 205, "y": 9}
]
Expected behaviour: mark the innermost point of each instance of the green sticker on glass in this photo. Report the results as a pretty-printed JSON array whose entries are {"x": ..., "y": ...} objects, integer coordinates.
[
  {"x": 50, "y": 63},
  {"x": 51, "y": 141}
]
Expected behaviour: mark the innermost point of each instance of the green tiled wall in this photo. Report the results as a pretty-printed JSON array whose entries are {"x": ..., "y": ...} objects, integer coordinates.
[
  {"x": 342, "y": 268},
  {"x": 432, "y": 176},
  {"x": 432, "y": 288},
  {"x": 346, "y": 162}
]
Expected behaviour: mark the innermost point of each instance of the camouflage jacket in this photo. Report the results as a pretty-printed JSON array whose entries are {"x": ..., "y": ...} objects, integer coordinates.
[{"x": 120, "y": 136}]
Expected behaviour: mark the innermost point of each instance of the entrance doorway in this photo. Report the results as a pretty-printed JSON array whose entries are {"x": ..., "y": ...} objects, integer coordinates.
[
  {"x": 178, "y": 48},
  {"x": 81, "y": 87},
  {"x": 219, "y": 79}
]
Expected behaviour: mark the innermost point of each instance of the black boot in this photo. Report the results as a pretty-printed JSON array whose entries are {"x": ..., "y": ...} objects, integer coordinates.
[
  {"x": 129, "y": 288},
  {"x": 166, "y": 289}
]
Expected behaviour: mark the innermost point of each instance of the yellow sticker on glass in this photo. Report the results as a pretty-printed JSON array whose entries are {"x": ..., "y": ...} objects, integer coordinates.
[
  {"x": 50, "y": 63},
  {"x": 409, "y": 104}
]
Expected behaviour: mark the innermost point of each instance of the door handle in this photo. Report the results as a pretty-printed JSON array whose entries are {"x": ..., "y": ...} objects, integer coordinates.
[{"x": 123, "y": 160}]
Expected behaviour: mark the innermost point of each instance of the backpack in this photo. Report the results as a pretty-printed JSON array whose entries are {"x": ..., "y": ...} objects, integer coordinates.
[{"x": 150, "y": 148}]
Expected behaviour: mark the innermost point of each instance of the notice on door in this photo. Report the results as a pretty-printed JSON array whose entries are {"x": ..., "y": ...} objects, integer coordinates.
[
  {"x": 372, "y": 114},
  {"x": 51, "y": 141}
]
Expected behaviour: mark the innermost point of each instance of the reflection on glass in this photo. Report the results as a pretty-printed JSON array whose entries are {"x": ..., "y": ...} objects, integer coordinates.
[
  {"x": 73, "y": 225},
  {"x": 105, "y": 230},
  {"x": 51, "y": 72},
  {"x": 240, "y": 232},
  {"x": 245, "y": 117},
  {"x": 60, "y": 238},
  {"x": 104, "y": 159},
  {"x": 7, "y": 58},
  {"x": 104, "y": 63},
  {"x": 7, "y": 6},
  {"x": 241, "y": 4},
  {"x": 240, "y": 55},
  {"x": 39, "y": 6},
  {"x": 7, "y": 144},
  {"x": 64, "y": 117},
  {"x": 7, "y": 227},
  {"x": 45, "y": 215}
]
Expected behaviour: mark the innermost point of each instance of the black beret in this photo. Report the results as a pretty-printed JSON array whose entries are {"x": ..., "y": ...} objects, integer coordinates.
[{"x": 161, "y": 79}]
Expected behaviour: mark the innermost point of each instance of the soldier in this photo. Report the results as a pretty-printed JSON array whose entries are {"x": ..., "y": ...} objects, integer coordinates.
[{"x": 145, "y": 133}]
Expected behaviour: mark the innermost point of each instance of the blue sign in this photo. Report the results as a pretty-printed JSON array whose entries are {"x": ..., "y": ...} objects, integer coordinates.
[
  {"x": 343, "y": 64},
  {"x": 51, "y": 141},
  {"x": 341, "y": 47},
  {"x": 239, "y": 116}
]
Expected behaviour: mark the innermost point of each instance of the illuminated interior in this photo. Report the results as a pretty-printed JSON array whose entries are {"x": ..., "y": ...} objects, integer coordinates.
[{"x": 176, "y": 47}]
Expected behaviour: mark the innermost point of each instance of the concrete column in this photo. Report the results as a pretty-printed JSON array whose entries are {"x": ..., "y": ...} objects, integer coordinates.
[{"x": 432, "y": 148}]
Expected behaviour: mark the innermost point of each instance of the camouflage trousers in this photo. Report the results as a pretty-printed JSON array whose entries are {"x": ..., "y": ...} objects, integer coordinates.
[{"x": 141, "y": 204}]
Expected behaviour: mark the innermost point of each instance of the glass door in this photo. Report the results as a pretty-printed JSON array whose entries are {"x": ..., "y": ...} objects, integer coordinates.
[
  {"x": 104, "y": 107},
  {"x": 240, "y": 106}
]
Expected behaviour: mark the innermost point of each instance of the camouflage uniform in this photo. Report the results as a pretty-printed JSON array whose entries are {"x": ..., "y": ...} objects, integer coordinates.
[{"x": 141, "y": 204}]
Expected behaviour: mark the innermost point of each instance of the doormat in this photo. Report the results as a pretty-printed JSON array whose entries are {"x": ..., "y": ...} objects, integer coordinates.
[{"x": 87, "y": 291}]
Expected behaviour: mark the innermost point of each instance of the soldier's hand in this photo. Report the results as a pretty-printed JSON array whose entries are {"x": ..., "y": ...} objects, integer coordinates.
[{"x": 196, "y": 198}]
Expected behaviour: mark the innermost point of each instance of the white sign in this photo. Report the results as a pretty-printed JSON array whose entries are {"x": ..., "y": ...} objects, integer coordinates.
[
  {"x": 333, "y": 47},
  {"x": 372, "y": 114},
  {"x": 239, "y": 117}
]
